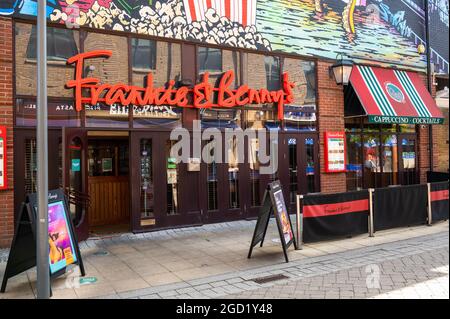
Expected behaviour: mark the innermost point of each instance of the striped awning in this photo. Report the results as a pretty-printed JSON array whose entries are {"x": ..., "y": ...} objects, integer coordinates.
[{"x": 394, "y": 96}]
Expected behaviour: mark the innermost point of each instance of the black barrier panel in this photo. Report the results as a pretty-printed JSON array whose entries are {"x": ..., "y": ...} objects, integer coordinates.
[
  {"x": 400, "y": 206},
  {"x": 335, "y": 215},
  {"x": 439, "y": 201},
  {"x": 436, "y": 177}
]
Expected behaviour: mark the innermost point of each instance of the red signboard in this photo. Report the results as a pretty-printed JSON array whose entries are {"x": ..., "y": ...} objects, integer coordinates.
[
  {"x": 90, "y": 91},
  {"x": 335, "y": 152},
  {"x": 3, "y": 175}
]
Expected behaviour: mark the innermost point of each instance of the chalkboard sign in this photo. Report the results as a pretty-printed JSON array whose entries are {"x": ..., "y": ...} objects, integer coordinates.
[
  {"x": 64, "y": 248},
  {"x": 273, "y": 202}
]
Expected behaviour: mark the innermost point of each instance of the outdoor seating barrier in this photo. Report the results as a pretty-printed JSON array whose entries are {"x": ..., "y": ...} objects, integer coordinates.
[
  {"x": 329, "y": 216},
  {"x": 400, "y": 206},
  {"x": 438, "y": 199}
]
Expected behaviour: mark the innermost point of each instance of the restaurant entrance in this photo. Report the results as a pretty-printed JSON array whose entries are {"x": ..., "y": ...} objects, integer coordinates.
[
  {"x": 300, "y": 166},
  {"x": 164, "y": 193},
  {"x": 96, "y": 176},
  {"x": 108, "y": 182}
]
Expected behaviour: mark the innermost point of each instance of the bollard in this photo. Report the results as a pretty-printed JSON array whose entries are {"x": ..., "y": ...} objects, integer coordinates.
[
  {"x": 371, "y": 227},
  {"x": 299, "y": 223}
]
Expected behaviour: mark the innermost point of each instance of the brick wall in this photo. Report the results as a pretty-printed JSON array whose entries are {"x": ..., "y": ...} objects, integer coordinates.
[
  {"x": 440, "y": 134},
  {"x": 6, "y": 119},
  {"x": 424, "y": 145},
  {"x": 331, "y": 118},
  {"x": 58, "y": 73}
]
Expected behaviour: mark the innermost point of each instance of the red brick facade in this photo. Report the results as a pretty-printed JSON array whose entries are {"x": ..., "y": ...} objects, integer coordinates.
[
  {"x": 424, "y": 145},
  {"x": 6, "y": 119},
  {"x": 331, "y": 118}
]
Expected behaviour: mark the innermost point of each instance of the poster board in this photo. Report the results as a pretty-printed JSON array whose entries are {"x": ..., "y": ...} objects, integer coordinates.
[
  {"x": 273, "y": 203},
  {"x": 64, "y": 249},
  {"x": 3, "y": 174},
  {"x": 335, "y": 151}
]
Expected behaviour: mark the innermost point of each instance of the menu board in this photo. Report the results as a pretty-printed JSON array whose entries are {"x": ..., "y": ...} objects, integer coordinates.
[
  {"x": 334, "y": 152},
  {"x": 273, "y": 202},
  {"x": 3, "y": 157},
  {"x": 61, "y": 245},
  {"x": 283, "y": 217}
]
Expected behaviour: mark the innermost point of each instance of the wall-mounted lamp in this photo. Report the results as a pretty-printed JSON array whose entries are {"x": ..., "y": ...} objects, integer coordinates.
[
  {"x": 89, "y": 68},
  {"x": 341, "y": 70}
]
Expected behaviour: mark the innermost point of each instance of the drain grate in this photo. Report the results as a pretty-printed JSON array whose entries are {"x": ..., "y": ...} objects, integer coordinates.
[{"x": 265, "y": 280}]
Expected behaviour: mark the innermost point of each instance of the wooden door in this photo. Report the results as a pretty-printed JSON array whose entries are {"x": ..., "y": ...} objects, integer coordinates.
[
  {"x": 108, "y": 163},
  {"x": 75, "y": 177}
]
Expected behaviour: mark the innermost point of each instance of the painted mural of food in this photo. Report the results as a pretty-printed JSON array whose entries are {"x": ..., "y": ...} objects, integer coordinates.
[
  {"x": 219, "y": 24},
  {"x": 389, "y": 30}
]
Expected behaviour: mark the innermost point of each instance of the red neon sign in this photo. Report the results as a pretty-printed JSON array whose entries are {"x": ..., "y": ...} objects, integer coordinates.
[{"x": 202, "y": 94}]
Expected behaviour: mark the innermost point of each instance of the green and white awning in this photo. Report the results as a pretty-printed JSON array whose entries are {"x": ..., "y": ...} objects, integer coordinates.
[{"x": 393, "y": 96}]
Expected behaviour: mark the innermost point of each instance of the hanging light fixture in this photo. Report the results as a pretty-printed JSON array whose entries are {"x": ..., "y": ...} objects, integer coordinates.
[{"x": 341, "y": 70}]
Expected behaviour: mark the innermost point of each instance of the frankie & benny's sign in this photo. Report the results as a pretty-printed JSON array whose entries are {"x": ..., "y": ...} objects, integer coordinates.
[{"x": 200, "y": 96}]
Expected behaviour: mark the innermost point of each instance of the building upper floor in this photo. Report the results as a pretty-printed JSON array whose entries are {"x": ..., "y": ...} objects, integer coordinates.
[{"x": 385, "y": 32}]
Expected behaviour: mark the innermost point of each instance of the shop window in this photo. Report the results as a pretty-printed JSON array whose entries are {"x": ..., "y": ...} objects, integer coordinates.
[
  {"x": 164, "y": 65},
  {"x": 212, "y": 186},
  {"x": 293, "y": 169},
  {"x": 354, "y": 162},
  {"x": 388, "y": 128},
  {"x": 233, "y": 172},
  {"x": 212, "y": 176},
  {"x": 216, "y": 62},
  {"x": 172, "y": 180},
  {"x": 209, "y": 60},
  {"x": 30, "y": 166},
  {"x": 102, "y": 115},
  {"x": 220, "y": 118},
  {"x": 147, "y": 185},
  {"x": 107, "y": 158},
  {"x": 114, "y": 69},
  {"x": 389, "y": 160},
  {"x": 301, "y": 114},
  {"x": 60, "y": 113},
  {"x": 261, "y": 118},
  {"x": 409, "y": 161},
  {"x": 254, "y": 172},
  {"x": 310, "y": 165},
  {"x": 407, "y": 128},
  {"x": 273, "y": 72},
  {"x": 372, "y": 165},
  {"x": 143, "y": 53},
  {"x": 61, "y": 44}
]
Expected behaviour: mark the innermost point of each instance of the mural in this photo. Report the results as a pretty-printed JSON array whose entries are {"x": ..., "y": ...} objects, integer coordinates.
[{"x": 388, "y": 31}]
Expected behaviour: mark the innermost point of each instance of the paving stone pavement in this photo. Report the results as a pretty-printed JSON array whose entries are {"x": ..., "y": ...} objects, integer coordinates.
[
  {"x": 210, "y": 262},
  {"x": 419, "y": 265},
  {"x": 422, "y": 275}
]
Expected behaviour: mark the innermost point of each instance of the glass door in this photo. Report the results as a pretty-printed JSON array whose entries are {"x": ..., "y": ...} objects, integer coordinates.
[
  {"x": 299, "y": 166},
  {"x": 74, "y": 150},
  {"x": 161, "y": 194},
  {"x": 224, "y": 181},
  {"x": 409, "y": 173}
]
